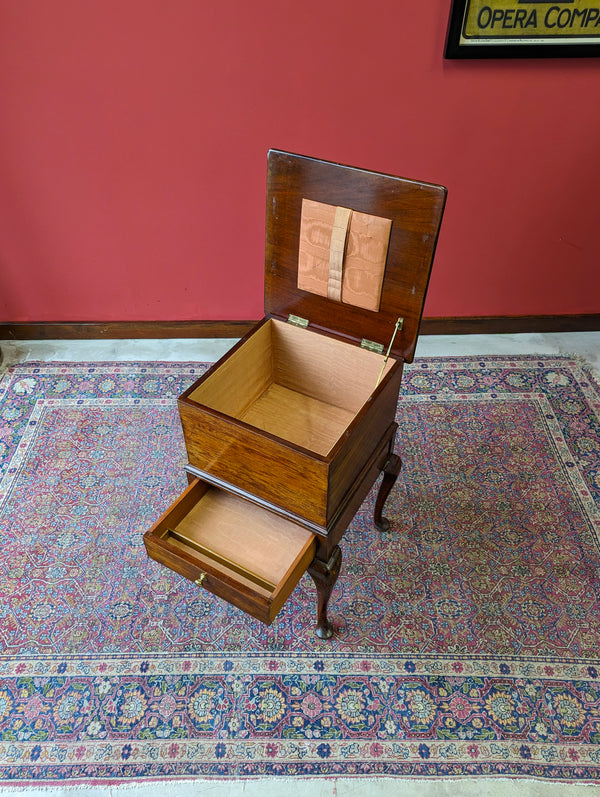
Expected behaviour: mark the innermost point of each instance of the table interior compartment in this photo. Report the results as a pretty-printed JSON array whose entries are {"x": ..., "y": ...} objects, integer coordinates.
[{"x": 294, "y": 383}]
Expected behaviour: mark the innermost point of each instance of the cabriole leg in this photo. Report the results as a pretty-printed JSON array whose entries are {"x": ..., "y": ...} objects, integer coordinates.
[
  {"x": 325, "y": 574},
  {"x": 391, "y": 469}
]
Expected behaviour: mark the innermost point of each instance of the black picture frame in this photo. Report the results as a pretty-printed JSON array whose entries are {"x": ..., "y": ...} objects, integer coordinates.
[{"x": 556, "y": 41}]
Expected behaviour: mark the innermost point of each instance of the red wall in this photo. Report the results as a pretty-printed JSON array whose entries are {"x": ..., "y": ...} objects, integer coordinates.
[{"x": 134, "y": 134}]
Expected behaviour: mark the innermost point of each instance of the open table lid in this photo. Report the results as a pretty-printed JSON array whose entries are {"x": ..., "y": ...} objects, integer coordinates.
[{"x": 415, "y": 211}]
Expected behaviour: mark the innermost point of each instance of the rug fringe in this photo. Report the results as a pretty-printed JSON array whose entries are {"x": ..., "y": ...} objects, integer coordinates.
[
  {"x": 586, "y": 365},
  {"x": 380, "y": 786}
]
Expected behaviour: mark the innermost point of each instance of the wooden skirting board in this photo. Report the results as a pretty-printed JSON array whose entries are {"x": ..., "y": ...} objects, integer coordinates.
[
  {"x": 487, "y": 325},
  {"x": 481, "y": 325}
]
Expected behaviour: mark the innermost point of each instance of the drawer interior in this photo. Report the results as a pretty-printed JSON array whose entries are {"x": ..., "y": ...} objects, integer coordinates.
[
  {"x": 294, "y": 383},
  {"x": 236, "y": 549}
]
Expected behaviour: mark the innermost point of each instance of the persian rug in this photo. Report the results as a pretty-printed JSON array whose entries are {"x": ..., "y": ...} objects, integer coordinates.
[{"x": 467, "y": 637}]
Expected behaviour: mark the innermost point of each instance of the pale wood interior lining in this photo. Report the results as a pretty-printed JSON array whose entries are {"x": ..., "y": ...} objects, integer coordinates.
[
  {"x": 300, "y": 419},
  {"x": 259, "y": 541},
  {"x": 334, "y": 372},
  {"x": 294, "y": 383},
  {"x": 242, "y": 378}
]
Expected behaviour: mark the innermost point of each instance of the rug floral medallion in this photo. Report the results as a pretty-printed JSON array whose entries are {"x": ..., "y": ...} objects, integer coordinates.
[{"x": 467, "y": 637}]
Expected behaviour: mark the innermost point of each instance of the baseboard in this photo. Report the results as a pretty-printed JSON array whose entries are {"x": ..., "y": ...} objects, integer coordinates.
[
  {"x": 482, "y": 325},
  {"x": 489, "y": 325},
  {"x": 125, "y": 329}
]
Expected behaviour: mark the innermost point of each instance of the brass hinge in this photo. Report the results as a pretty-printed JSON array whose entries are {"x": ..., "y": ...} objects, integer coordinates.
[
  {"x": 370, "y": 345},
  {"x": 378, "y": 347},
  {"x": 297, "y": 321}
]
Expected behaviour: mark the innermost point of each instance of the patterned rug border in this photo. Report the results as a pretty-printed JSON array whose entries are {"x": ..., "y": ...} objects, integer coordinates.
[
  {"x": 575, "y": 681},
  {"x": 198, "y": 663}
]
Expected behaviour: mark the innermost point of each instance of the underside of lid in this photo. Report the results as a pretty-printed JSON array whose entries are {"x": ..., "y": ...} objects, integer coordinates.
[{"x": 348, "y": 249}]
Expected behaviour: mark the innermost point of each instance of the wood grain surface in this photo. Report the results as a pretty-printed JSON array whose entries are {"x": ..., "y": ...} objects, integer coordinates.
[{"x": 415, "y": 210}]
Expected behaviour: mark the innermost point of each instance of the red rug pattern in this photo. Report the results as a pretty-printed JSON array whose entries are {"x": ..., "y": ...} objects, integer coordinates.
[{"x": 467, "y": 636}]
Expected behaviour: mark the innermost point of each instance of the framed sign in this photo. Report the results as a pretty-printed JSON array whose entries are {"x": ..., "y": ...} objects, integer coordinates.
[{"x": 523, "y": 29}]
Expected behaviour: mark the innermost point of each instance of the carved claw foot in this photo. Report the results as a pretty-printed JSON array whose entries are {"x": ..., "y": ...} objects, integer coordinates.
[
  {"x": 391, "y": 469},
  {"x": 325, "y": 574}
]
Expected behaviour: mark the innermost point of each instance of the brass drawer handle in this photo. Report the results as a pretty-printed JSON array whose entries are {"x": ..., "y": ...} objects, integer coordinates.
[{"x": 200, "y": 580}]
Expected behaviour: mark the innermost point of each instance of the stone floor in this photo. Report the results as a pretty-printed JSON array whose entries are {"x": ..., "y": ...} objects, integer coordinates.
[{"x": 585, "y": 346}]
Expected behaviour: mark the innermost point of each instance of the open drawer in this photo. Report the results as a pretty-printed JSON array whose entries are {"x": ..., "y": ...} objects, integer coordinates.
[{"x": 235, "y": 549}]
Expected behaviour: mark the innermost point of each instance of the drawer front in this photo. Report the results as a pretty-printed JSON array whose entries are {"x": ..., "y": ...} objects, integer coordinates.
[{"x": 232, "y": 548}]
